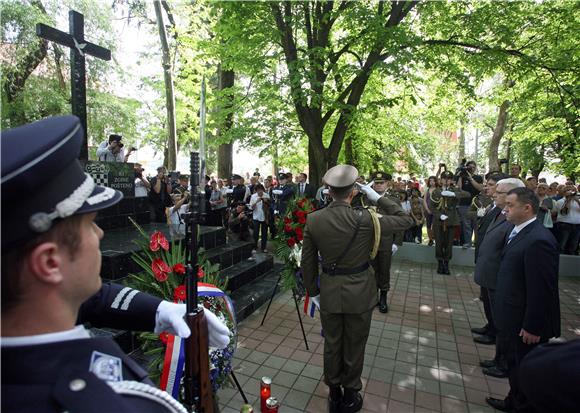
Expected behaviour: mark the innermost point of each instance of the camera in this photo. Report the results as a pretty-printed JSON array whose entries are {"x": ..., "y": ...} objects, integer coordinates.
[
  {"x": 503, "y": 161},
  {"x": 462, "y": 168},
  {"x": 442, "y": 165}
]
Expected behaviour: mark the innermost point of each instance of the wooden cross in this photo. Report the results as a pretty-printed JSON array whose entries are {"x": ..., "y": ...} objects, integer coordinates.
[{"x": 75, "y": 40}]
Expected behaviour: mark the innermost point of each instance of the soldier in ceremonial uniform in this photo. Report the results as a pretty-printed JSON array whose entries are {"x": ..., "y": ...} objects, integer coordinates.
[
  {"x": 344, "y": 237},
  {"x": 50, "y": 283},
  {"x": 390, "y": 241},
  {"x": 445, "y": 219}
]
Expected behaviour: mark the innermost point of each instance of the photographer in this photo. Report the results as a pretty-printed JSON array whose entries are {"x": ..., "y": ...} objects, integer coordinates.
[
  {"x": 173, "y": 213},
  {"x": 239, "y": 221},
  {"x": 112, "y": 151},
  {"x": 159, "y": 196},
  {"x": 568, "y": 225},
  {"x": 260, "y": 205},
  {"x": 142, "y": 185},
  {"x": 468, "y": 181}
]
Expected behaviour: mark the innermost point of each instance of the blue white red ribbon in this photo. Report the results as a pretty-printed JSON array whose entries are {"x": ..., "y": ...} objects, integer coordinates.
[
  {"x": 174, "y": 361},
  {"x": 309, "y": 306}
]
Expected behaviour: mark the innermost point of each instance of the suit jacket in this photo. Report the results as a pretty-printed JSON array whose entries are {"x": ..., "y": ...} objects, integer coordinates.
[
  {"x": 482, "y": 224},
  {"x": 281, "y": 201},
  {"x": 527, "y": 284},
  {"x": 490, "y": 249},
  {"x": 309, "y": 191},
  {"x": 329, "y": 231}
]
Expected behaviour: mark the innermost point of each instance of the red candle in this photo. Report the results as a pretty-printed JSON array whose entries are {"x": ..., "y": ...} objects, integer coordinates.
[
  {"x": 272, "y": 405},
  {"x": 264, "y": 393}
]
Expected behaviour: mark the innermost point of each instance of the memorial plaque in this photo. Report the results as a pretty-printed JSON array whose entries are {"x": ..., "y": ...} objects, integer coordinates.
[{"x": 116, "y": 175}]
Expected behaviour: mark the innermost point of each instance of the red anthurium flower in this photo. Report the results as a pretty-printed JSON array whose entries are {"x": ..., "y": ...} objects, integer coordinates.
[
  {"x": 158, "y": 240},
  {"x": 291, "y": 242},
  {"x": 179, "y": 293},
  {"x": 164, "y": 337},
  {"x": 179, "y": 268},
  {"x": 160, "y": 269},
  {"x": 200, "y": 273}
]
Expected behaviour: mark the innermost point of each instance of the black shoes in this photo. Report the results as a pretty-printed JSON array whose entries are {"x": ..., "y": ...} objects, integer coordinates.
[
  {"x": 480, "y": 330},
  {"x": 383, "y": 307},
  {"x": 498, "y": 404},
  {"x": 487, "y": 363},
  {"x": 334, "y": 399},
  {"x": 446, "y": 268},
  {"x": 351, "y": 402},
  {"x": 440, "y": 267},
  {"x": 495, "y": 371},
  {"x": 484, "y": 339}
]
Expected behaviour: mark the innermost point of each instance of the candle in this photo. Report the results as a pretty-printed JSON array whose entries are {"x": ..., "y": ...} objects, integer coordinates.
[
  {"x": 265, "y": 392},
  {"x": 272, "y": 405}
]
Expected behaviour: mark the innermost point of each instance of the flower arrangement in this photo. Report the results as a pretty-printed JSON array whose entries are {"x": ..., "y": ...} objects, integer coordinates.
[
  {"x": 163, "y": 275},
  {"x": 289, "y": 241}
]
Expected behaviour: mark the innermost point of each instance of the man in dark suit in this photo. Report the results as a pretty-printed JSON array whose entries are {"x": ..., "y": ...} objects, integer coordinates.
[
  {"x": 282, "y": 194},
  {"x": 527, "y": 306},
  {"x": 491, "y": 213},
  {"x": 304, "y": 189},
  {"x": 487, "y": 264}
]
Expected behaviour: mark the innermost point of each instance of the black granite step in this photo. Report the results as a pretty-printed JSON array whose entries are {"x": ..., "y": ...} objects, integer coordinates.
[
  {"x": 247, "y": 270},
  {"x": 230, "y": 254},
  {"x": 251, "y": 296},
  {"x": 117, "y": 247},
  {"x": 117, "y": 216}
]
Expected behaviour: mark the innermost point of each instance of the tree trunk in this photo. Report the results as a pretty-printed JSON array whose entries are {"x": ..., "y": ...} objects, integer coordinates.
[
  {"x": 225, "y": 150},
  {"x": 171, "y": 160},
  {"x": 348, "y": 151},
  {"x": 461, "y": 144},
  {"x": 498, "y": 133}
]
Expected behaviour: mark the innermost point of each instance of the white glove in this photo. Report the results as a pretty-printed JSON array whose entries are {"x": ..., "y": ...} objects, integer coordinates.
[
  {"x": 371, "y": 194},
  {"x": 170, "y": 318},
  {"x": 277, "y": 191},
  {"x": 316, "y": 301},
  {"x": 229, "y": 191},
  {"x": 394, "y": 249},
  {"x": 325, "y": 191},
  {"x": 448, "y": 194},
  {"x": 443, "y": 217},
  {"x": 480, "y": 212}
]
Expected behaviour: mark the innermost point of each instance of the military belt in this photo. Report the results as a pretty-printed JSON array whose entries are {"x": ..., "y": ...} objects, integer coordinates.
[{"x": 333, "y": 270}]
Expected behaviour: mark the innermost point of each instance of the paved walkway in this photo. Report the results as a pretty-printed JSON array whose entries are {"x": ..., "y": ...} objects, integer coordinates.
[{"x": 419, "y": 357}]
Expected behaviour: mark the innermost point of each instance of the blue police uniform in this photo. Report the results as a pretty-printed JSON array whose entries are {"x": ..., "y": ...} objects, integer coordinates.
[{"x": 43, "y": 182}]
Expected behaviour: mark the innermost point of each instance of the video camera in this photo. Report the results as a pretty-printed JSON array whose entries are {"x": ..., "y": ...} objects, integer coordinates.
[{"x": 462, "y": 168}]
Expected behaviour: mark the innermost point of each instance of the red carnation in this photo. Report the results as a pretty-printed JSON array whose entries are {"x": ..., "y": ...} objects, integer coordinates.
[
  {"x": 300, "y": 214},
  {"x": 299, "y": 234},
  {"x": 179, "y": 268},
  {"x": 287, "y": 220},
  {"x": 302, "y": 220},
  {"x": 287, "y": 229},
  {"x": 200, "y": 273},
  {"x": 291, "y": 242},
  {"x": 179, "y": 293},
  {"x": 164, "y": 337},
  {"x": 160, "y": 269},
  {"x": 158, "y": 240}
]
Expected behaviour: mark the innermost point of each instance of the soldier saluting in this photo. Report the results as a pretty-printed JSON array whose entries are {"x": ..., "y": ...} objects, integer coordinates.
[
  {"x": 445, "y": 219},
  {"x": 344, "y": 237}
]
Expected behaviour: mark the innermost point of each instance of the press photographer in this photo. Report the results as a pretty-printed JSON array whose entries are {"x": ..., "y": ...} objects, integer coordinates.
[
  {"x": 568, "y": 225},
  {"x": 260, "y": 205},
  {"x": 160, "y": 194},
  {"x": 239, "y": 221},
  {"x": 467, "y": 180},
  {"x": 112, "y": 150},
  {"x": 142, "y": 185}
]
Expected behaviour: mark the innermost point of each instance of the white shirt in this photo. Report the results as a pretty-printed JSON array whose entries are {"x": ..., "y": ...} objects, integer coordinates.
[
  {"x": 104, "y": 154},
  {"x": 76, "y": 333},
  {"x": 518, "y": 228},
  {"x": 140, "y": 188},
  {"x": 302, "y": 188},
  {"x": 573, "y": 215},
  {"x": 406, "y": 205},
  {"x": 175, "y": 215},
  {"x": 258, "y": 214}
]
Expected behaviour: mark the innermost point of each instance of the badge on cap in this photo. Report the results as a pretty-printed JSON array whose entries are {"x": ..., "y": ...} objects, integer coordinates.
[
  {"x": 379, "y": 176},
  {"x": 106, "y": 367}
]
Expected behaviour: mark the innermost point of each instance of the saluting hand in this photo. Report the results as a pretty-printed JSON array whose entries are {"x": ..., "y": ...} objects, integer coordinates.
[
  {"x": 371, "y": 194},
  {"x": 528, "y": 338}
]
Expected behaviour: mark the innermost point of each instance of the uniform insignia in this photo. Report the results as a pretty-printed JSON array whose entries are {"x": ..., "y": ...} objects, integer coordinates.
[
  {"x": 106, "y": 367},
  {"x": 379, "y": 175}
]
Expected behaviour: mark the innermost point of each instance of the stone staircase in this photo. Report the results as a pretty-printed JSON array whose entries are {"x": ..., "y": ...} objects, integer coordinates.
[{"x": 251, "y": 279}]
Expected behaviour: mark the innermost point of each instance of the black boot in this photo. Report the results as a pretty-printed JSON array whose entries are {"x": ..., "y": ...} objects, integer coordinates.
[
  {"x": 334, "y": 399},
  {"x": 440, "y": 267},
  {"x": 383, "y": 307},
  {"x": 351, "y": 402},
  {"x": 446, "y": 268}
]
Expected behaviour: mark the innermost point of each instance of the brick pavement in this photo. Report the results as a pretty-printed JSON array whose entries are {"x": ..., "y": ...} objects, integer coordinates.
[{"x": 420, "y": 357}]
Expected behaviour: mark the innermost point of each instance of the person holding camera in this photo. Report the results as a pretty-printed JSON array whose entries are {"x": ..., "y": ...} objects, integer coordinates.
[
  {"x": 568, "y": 225},
  {"x": 468, "y": 181},
  {"x": 112, "y": 150},
  {"x": 142, "y": 185},
  {"x": 239, "y": 221},
  {"x": 260, "y": 205},
  {"x": 160, "y": 194}
]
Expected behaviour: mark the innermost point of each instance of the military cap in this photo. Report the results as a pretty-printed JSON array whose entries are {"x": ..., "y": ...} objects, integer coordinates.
[
  {"x": 381, "y": 176},
  {"x": 446, "y": 175},
  {"x": 236, "y": 176},
  {"x": 282, "y": 176},
  {"x": 341, "y": 176},
  {"x": 42, "y": 180}
]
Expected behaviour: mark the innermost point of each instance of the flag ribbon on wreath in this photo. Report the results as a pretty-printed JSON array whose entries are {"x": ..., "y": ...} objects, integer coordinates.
[{"x": 174, "y": 361}]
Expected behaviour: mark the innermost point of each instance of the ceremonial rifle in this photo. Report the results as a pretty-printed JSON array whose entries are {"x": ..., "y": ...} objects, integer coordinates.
[{"x": 198, "y": 390}]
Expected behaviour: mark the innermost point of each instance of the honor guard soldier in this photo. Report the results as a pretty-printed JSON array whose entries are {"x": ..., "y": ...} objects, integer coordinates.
[
  {"x": 445, "y": 219},
  {"x": 389, "y": 240},
  {"x": 346, "y": 293},
  {"x": 50, "y": 281}
]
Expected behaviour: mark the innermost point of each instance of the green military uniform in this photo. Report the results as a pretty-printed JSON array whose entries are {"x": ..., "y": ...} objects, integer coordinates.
[
  {"x": 479, "y": 205},
  {"x": 445, "y": 206},
  {"x": 347, "y": 294}
]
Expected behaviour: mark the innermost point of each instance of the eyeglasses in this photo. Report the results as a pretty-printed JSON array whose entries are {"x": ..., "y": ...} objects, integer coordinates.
[{"x": 501, "y": 192}]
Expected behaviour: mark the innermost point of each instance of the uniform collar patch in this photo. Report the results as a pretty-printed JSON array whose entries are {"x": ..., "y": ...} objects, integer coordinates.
[{"x": 106, "y": 367}]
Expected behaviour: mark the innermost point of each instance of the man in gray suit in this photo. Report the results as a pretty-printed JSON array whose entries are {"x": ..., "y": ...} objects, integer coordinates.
[{"x": 488, "y": 259}]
